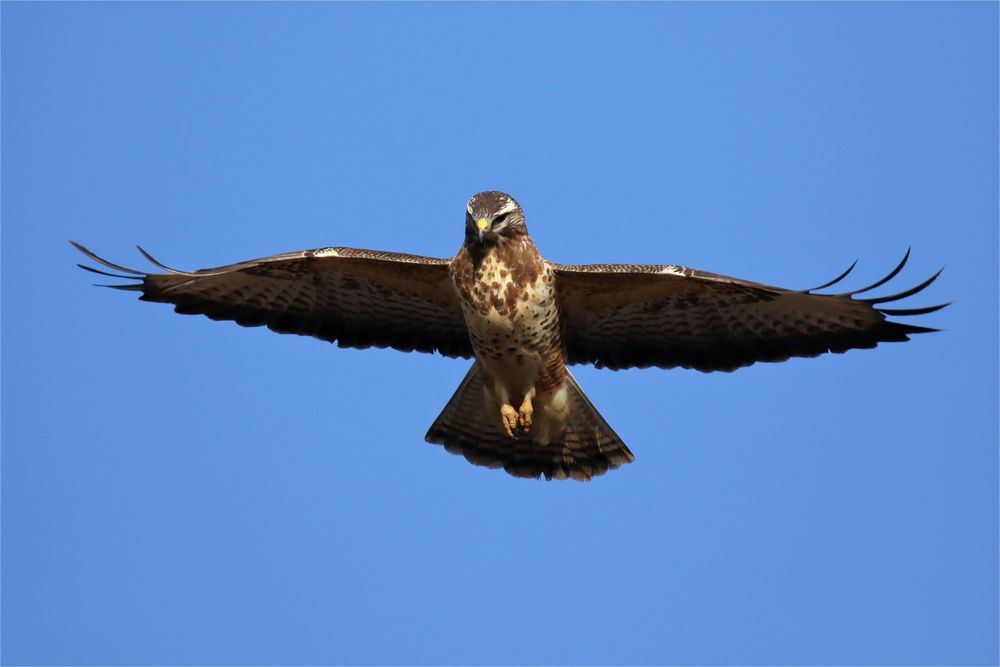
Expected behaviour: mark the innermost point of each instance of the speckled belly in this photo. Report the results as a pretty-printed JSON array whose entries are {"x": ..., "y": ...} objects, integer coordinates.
[{"x": 514, "y": 328}]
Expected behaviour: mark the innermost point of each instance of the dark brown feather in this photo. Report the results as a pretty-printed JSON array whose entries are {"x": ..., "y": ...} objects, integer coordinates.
[
  {"x": 357, "y": 298},
  {"x": 588, "y": 448},
  {"x": 621, "y": 316}
]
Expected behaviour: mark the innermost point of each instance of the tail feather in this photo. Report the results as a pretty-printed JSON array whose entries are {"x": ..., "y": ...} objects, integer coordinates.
[{"x": 588, "y": 448}]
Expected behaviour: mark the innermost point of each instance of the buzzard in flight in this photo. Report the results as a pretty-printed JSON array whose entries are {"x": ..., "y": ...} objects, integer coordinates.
[{"x": 523, "y": 319}]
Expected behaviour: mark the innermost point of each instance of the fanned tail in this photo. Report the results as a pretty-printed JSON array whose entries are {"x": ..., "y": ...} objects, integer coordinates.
[{"x": 588, "y": 448}]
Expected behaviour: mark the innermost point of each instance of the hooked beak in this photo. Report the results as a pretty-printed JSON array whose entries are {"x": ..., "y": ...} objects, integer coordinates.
[{"x": 481, "y": 226}]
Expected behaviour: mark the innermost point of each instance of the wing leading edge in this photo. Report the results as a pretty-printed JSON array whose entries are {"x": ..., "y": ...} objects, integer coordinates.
[
  {"x": 356, "y": 298},
  {"x": 625, "y": 315}
]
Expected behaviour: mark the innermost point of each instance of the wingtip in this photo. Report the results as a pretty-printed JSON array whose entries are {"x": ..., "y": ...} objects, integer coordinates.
[
  {"x": 902, "y": 295},
  {"x": 149, "y": 257},
  {"x": 878, "y": 283},
  {"x": 105, "y": 273},
  {"x": 161, "y": 265},
  {"x": 904, "y": 312},
  {"x": 835, "y": 280},
  {"x": 101, "y": 260},
  {"x": 80, "y": 247}
]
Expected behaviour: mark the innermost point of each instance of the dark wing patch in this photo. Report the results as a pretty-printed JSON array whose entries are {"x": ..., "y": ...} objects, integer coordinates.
[
  {"x": 358, "y": 298},
  {"x": 626, "y": 315}
]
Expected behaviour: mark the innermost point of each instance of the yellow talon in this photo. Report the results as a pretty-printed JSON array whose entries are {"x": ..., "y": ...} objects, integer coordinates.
[
  {"x": 525, "y": 414},
  {"x": 508, "y": 417}
]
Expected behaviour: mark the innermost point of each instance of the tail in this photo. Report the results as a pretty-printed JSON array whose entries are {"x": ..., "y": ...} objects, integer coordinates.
[{"x": 587, "y": 449}]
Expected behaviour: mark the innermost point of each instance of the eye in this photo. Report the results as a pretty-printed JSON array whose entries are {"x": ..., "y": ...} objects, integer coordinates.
[{"x": 500, "y": 219}]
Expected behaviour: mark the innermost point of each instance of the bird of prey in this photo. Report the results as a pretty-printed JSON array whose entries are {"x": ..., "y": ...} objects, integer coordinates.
[{"x": 523, "y": 319}]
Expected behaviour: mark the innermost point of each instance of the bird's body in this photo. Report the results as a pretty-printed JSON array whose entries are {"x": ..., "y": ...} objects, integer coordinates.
[
  {"x": 510, "y": 310},
  {"x": 523, "y": 319},
  {"x": 507, "y": 293}
]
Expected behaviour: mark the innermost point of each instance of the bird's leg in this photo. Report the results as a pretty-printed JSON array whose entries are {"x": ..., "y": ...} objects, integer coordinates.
[
  {"x": 497, "y": 393},
  {"x": 526, "y": 412},
  {"x": 508, "y": 417}
]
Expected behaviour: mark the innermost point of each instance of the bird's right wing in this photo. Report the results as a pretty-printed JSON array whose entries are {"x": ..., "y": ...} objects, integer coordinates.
[
  {"x": 629, "y": 315},
  {"x": 358, "y": 298}
]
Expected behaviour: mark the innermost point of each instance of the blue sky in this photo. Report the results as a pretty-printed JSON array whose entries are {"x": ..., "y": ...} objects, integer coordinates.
[{"x": 181, "y": 491}]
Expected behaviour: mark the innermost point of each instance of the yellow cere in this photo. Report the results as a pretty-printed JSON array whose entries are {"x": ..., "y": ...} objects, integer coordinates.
[{"x": 482, "y": 223}]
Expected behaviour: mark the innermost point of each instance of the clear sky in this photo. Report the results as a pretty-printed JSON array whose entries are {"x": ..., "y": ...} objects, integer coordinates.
[{"x": 182, "y": 491}]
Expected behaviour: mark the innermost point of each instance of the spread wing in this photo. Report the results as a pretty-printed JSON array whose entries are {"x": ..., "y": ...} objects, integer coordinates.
[
  {"x": 626, "y": 315},
  {"x": 358, "y": 298}
]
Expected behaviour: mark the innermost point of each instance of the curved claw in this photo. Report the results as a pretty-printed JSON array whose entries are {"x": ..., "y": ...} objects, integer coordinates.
[
  {"x": 903, "y": 295},
  {"x": 835, "y": 280},
  {"x": 883, "y": 281}
]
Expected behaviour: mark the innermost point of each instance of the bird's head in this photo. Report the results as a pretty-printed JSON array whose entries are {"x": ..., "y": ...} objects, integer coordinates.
[{"x": 491, "y": 217}]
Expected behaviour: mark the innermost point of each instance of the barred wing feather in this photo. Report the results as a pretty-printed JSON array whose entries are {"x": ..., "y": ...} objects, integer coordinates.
[
  {"x": 624, "y": 315},
  {"x": 357, "y": 298}
]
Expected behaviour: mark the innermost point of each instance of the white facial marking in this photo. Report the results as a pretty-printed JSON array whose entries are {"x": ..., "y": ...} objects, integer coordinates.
[
  {"x": 509, "y": 207},
  {"x": 326, "y": 252}
]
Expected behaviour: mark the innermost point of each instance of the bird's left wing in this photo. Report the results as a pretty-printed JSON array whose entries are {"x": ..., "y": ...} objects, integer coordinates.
[
  {"x": 628, "y": 315},
  {"x": 358, "y": 298}
]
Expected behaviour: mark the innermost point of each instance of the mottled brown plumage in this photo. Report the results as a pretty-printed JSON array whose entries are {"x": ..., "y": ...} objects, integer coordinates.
[
  {"x": 508, "y": 296},
  {"x": 523, "y": 319}
]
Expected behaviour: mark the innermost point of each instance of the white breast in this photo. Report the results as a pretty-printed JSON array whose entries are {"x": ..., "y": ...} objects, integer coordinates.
[{"x": 510, "y": 341}]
